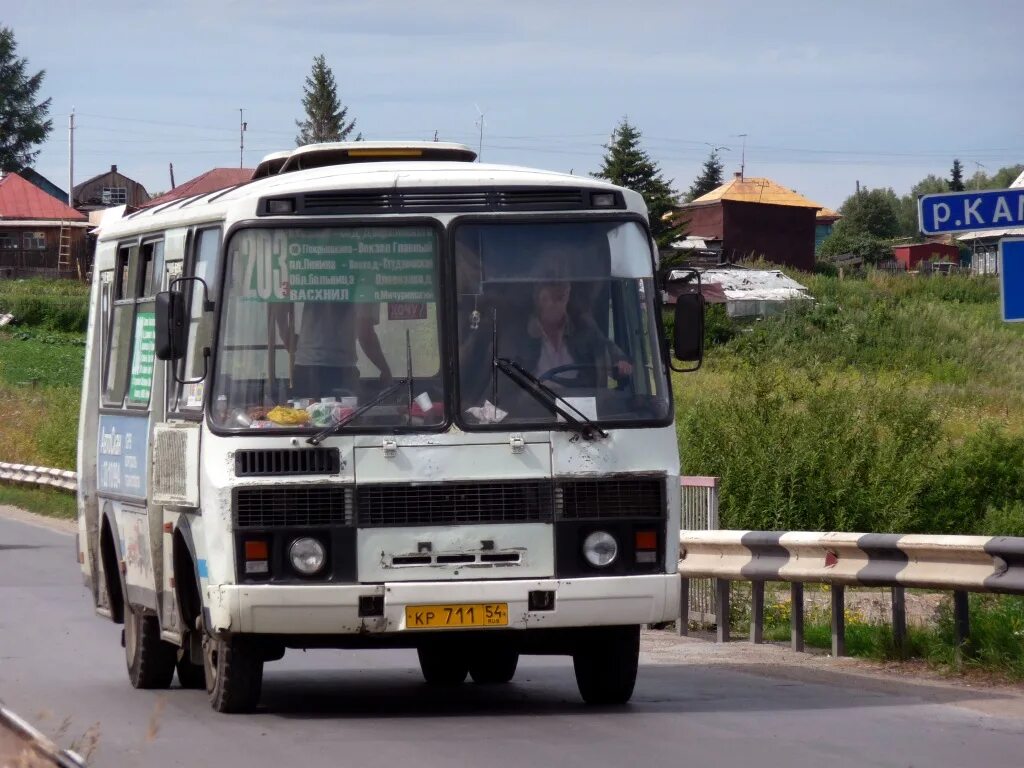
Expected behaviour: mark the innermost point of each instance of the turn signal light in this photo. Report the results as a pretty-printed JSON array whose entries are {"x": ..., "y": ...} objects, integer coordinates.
[
  {"x": 646, "y": 546},
  {"x": 256, "y": 556}
]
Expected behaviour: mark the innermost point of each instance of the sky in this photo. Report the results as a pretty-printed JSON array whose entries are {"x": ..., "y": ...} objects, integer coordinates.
[{"x": 828, "y": 93}]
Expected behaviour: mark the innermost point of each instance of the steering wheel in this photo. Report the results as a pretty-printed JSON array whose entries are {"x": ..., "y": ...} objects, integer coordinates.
[{"x": 553, "y": 374}]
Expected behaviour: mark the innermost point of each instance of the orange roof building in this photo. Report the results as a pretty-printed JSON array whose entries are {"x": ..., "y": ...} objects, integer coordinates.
[{"x": 756, "y": 218}]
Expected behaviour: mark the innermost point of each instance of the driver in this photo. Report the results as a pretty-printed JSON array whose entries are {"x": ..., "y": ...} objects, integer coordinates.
[{"x": 555, "y": 340}]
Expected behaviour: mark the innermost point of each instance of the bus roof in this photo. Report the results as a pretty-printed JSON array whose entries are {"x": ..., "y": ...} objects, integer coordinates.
[
  {"x": 343, "y": 152},
  {"x": 239, "y": 202}
]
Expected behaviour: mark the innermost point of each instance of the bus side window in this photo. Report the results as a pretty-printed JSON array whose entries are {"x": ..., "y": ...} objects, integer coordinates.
[
  {"x": 202, "y": 264},
  {"x": 122, "y": 321}
]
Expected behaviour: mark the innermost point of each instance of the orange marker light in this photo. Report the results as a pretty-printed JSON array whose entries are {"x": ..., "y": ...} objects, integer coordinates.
[
  {"x": 256, "y": 550},
  {"x": 646, "y": 540}
]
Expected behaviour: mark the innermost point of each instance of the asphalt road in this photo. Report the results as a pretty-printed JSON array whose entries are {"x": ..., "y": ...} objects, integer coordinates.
[{"x": 62, "y": 668}]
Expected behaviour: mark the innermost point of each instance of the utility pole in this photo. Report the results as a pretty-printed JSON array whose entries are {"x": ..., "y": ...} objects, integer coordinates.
[
  {"x": 170, "y": 167},
  {"x": 71, "y": 159},
  {"x": 242, "y": 125}
]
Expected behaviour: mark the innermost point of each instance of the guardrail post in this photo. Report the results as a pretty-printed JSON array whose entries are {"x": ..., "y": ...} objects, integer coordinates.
[
  {"x": 757, "y": 612},
  {"x": 796, "y": 616},
  {"x": 899, "y": 620},
  {"x": 838, "y": 620},
  {"x": 961, "y": 622},
  {"x": 683, "y": 625},
  {"x": 722, "y": 610}
]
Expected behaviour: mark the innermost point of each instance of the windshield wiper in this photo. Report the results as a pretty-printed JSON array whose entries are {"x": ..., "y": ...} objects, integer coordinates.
[
  {"x": 547, "y": 397},
  {"x": 333, "y": 428}
]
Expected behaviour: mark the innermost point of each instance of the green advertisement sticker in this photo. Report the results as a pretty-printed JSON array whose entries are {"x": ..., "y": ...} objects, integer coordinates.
[
  {"x": 142, "y": 358},
  {"x": 367, "y": 264}
]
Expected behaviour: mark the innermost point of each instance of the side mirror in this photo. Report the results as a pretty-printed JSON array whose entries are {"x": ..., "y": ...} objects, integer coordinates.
[
  {"x": 171, "y": 325},
  {"x": 688, "y": 335}
]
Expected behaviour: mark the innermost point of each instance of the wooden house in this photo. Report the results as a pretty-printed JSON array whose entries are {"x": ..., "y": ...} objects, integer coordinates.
[{"x": 109, "y": 189}]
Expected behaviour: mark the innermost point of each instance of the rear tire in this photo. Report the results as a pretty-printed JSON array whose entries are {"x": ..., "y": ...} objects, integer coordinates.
[
  {"x": 150, "y": 660},
  {"x": 443, "y": 665},
  {"x": 606, "y": 664},
  {"x": 234, "y": 673},
  {"x": 493, "y": 666},
  {"x": 191, "y": 676}
]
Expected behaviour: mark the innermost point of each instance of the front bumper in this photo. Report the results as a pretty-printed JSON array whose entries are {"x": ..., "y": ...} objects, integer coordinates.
[{"x": 324, "y": 609}]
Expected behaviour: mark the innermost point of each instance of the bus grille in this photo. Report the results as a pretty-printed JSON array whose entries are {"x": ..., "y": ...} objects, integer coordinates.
[
  {"x": 313, "y": 505},
  {"x": 519, "y": 501},
  {"x": 287, "y": 461},
  {"x": 611, "y": 498}
]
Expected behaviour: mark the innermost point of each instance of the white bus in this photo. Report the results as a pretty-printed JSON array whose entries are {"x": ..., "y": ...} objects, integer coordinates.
[{"x": 381, "y": 396}]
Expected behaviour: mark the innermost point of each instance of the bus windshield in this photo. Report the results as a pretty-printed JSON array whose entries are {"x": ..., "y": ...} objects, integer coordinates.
[
  {"x": 568, "y": 304},
  {"x": 316, "y": 322}
]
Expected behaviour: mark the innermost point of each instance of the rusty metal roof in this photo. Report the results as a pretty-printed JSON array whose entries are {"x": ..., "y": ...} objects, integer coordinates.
[
  {"x": 211, "y": 181},
  {"x": 756, "y": 190},
  {"x": 20, "y": 199}
]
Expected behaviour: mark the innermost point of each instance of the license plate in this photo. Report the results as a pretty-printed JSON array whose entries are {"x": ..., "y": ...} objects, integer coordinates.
[{"x": 457, "y": 615}]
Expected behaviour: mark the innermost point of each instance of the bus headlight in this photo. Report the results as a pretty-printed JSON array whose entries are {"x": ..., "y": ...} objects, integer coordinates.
[
  {"x": 600, "y": 549},
  {"x": 307, "y": 556}
]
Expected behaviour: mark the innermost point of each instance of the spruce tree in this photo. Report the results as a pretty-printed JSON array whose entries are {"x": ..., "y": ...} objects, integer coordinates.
[
  {"x": 710, "y": 177},
  {"x": 956, "y": 177},
  {"x": 23, "y": 120},
  {"x": 628, "y": 165},
  {"x": 325, "y": 117}
]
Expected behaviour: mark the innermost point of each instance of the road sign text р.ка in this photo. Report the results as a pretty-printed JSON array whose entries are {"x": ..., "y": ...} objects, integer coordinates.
[{"x": 966, "y": 211}]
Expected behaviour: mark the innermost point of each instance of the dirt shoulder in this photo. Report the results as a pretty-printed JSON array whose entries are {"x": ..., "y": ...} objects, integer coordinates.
[
  {"x": 41, "y": 521},
  {"x": 776, "y": 660}
]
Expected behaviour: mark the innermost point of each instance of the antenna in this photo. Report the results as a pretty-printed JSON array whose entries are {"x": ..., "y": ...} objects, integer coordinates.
[
  {"x": 242, "y": 126},
  {"x": 977, "y": 174},
  {"x": 743, "y": 156},
  {"x": 480, "y": 124}
]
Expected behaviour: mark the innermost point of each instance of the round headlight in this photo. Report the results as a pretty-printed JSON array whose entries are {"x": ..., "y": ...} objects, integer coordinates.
[
  {"x": 600, "y": 548},
  {"x": 307, "y": 556}
]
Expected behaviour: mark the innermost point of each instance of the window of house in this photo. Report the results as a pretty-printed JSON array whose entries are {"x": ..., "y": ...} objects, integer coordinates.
[
  {"x": 8, "y": 241},
  {"x": 115, "y": 196},
  {"x": 34, "y": 241}
]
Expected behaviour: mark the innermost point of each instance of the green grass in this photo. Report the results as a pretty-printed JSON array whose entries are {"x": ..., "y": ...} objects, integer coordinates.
[
  {"x": 53, "y": 503},
  {"x": 53, "y": 305}
]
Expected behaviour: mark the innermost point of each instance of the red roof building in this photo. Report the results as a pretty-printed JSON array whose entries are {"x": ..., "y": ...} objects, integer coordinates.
[
  {"x": 911, "y": 255},
  {"x": 211, "y": 181},
  {"x": 39, "y": 235}
]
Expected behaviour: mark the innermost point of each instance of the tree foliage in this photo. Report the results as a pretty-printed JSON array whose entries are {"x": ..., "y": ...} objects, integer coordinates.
[
  {"x": 710, "y": 177},
  {"x": 845, "y": 240},
  {"x": 956, "y": 177},
  {"x": 872, "y": 212},
  {"x": 23, "y": 120},
  {"x": 625, "y": 163},
  {"x": 325, "y": 116}
]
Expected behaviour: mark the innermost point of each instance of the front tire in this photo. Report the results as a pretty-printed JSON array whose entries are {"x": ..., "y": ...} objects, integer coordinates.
[
  {"x": 606, "y": 664},
  {"x": 493, "y": 667},
  {"x": 233, "y": 670},
  {"x": 150, "y": 660},
  {"x": 442, "y": 665}
]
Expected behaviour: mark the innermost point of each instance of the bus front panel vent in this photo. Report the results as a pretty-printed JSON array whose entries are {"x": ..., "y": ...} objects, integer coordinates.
[{"x": 287, "y": 461}]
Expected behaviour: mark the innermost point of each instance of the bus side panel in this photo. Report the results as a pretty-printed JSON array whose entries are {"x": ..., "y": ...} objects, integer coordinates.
[
  {"x": 88, "y": 503},
  {"x": 139, "y": 571}
]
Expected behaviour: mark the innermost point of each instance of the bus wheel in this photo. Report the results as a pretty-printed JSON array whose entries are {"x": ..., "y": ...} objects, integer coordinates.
[
  {"x": 234, "y": 673},
  {"x": 190, "y": 675},
  {"x": 497, "y": 665},
  {"x": 150, "y": 660},
  {"x": 606, "y": 663},
  {"x": 443, "y": 665}
]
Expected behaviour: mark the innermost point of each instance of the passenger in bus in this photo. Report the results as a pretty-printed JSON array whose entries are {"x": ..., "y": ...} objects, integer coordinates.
[{"x": 325, "y": 354}]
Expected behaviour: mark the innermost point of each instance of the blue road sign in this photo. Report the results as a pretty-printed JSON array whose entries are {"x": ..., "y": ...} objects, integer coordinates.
[
  {"x": 1011, "y": 278},
  {"x": 966, "y": 211}
]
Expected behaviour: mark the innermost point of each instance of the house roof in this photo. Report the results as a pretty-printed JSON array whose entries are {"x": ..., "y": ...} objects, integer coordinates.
[
  {"x": 756, "y": 190},
  {"x": 827, "y": 214},
  {"x": 211, "y": 181},
  {"x": 20, "y": 199}
]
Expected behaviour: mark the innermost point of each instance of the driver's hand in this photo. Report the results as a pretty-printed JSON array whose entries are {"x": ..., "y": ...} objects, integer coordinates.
[{"x": 624, "y": 368}]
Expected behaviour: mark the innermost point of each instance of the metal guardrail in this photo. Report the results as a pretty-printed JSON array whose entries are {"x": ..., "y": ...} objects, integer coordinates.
[
  {"x": 961, "y": 564},
  {"x": 62, "y": 479},
  {"x": 36, "y": 744}
]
